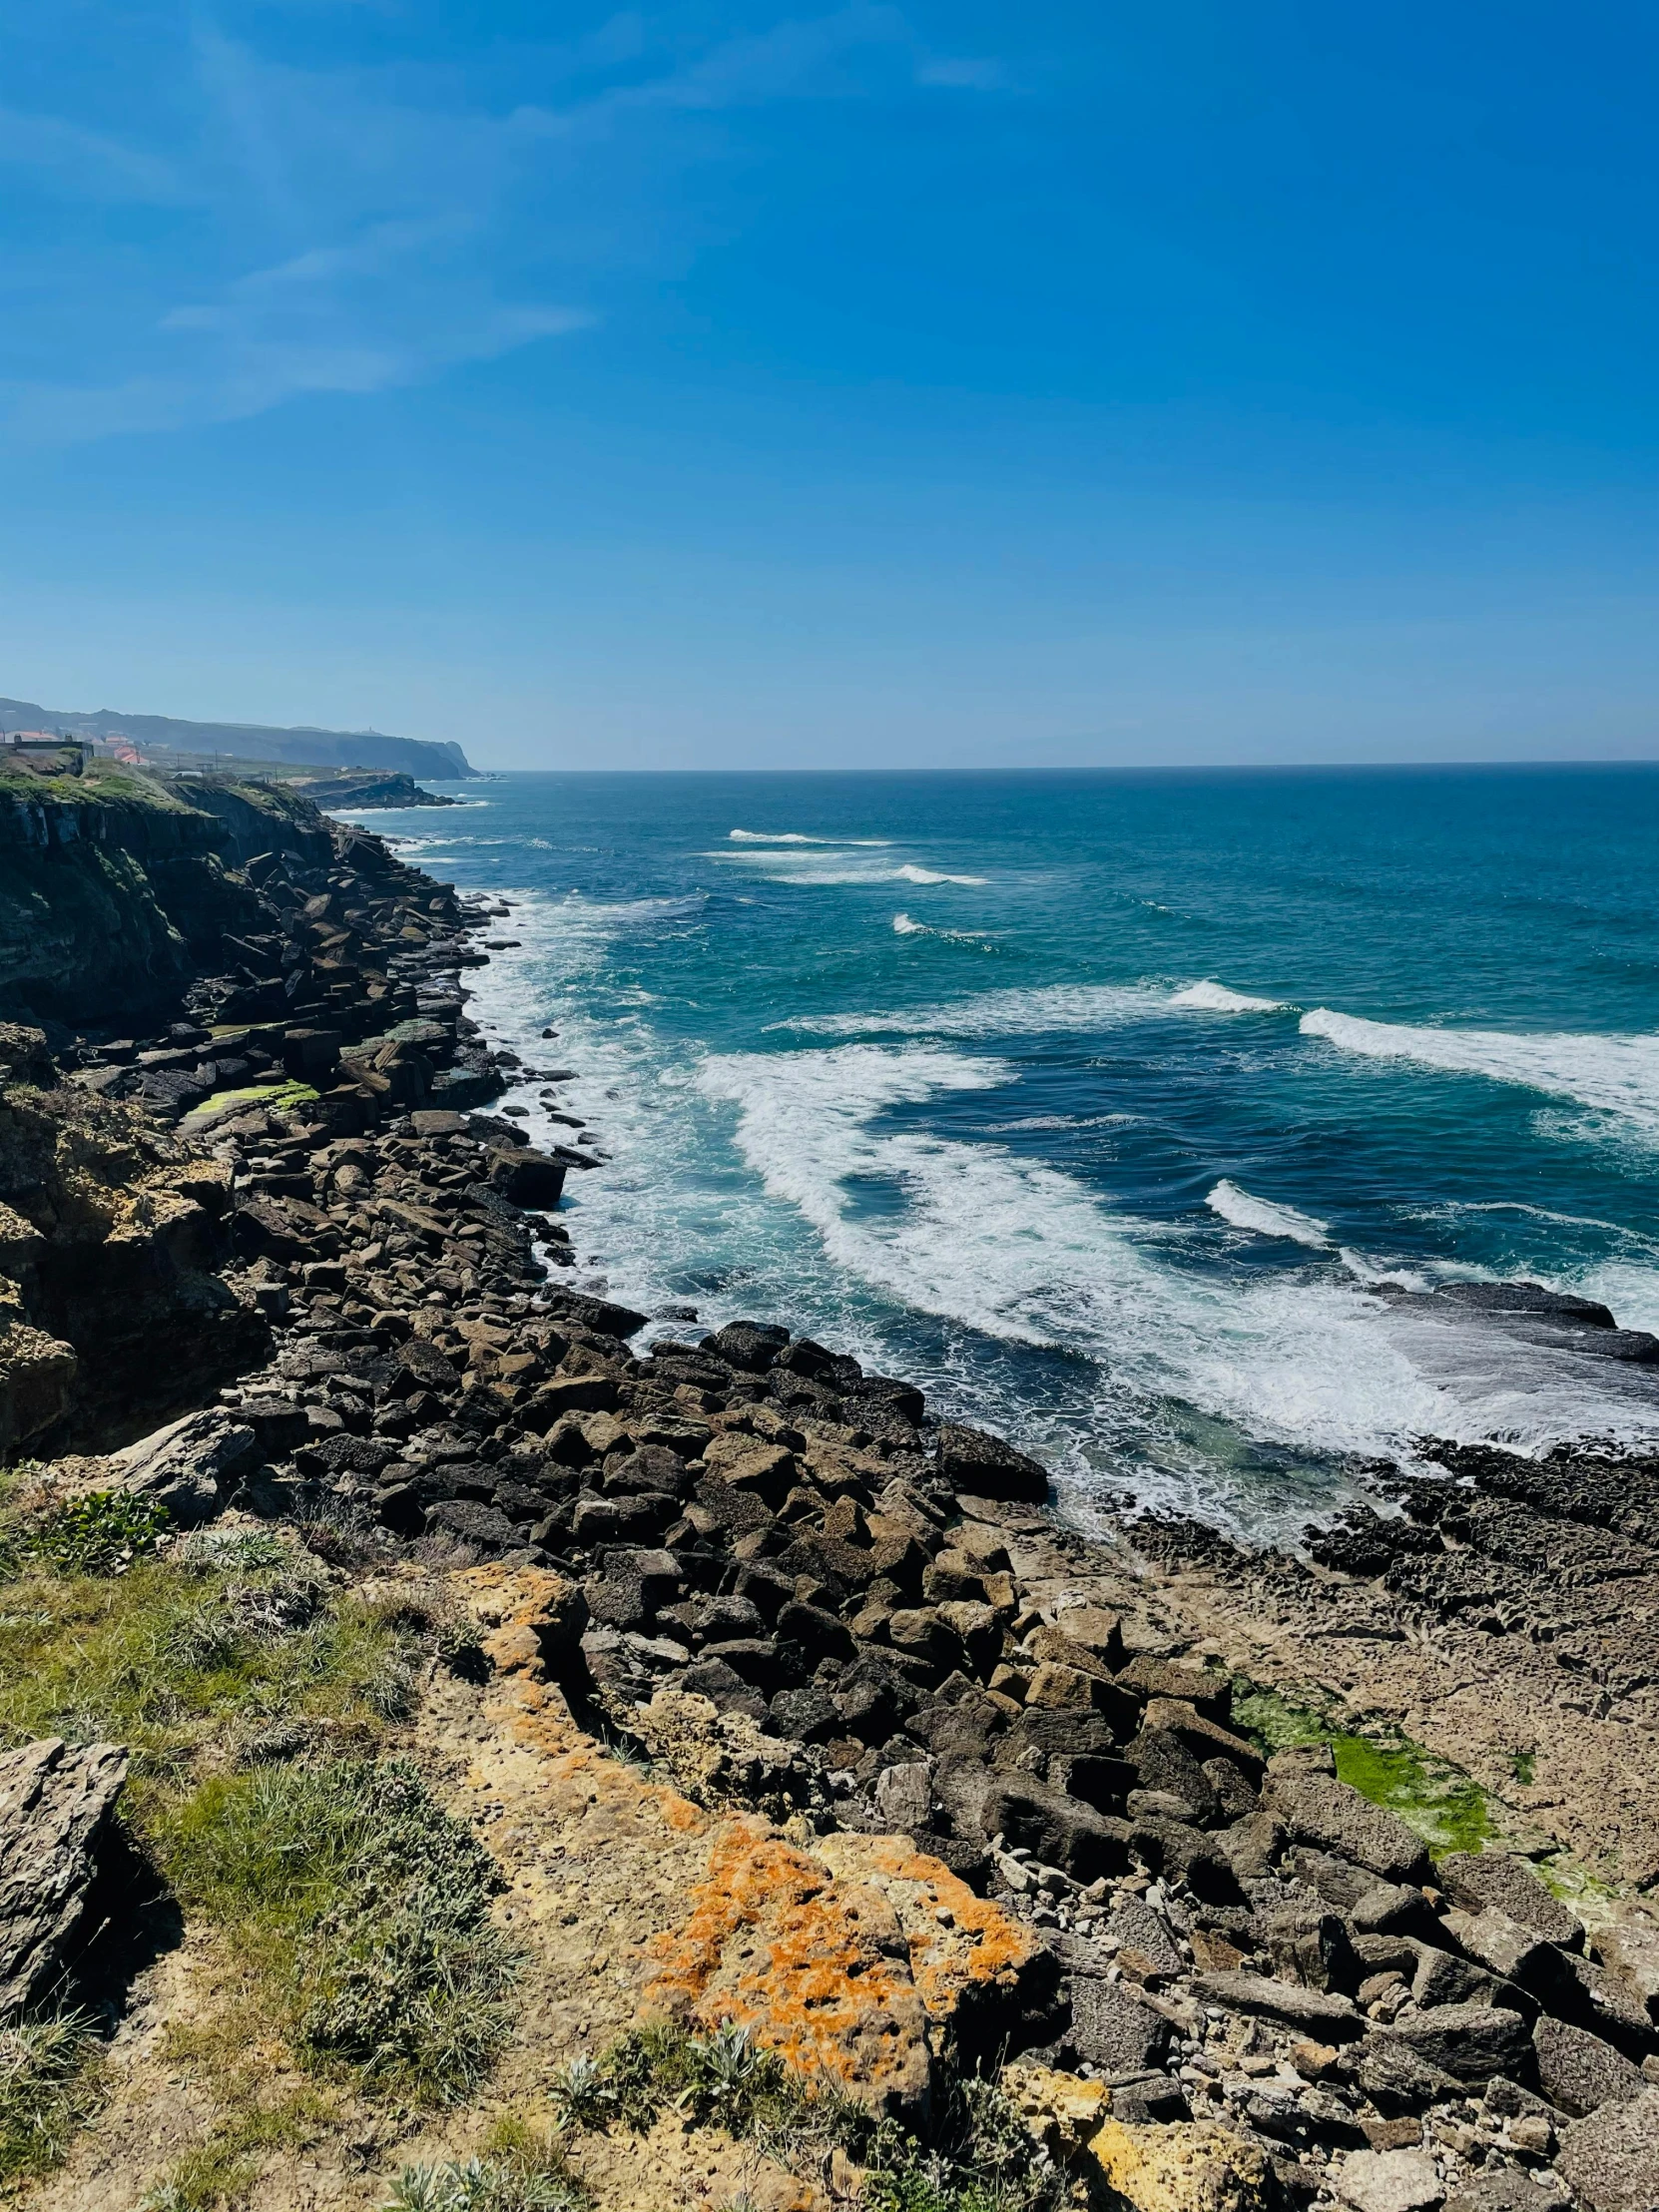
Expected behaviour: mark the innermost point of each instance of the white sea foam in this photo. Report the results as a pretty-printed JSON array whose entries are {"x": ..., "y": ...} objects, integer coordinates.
[
  {"x": 1012, "y": 1013},
  {"x": 1245, "y": 1211},
  {"x": 992, "y": 1015},
  {"x": 1613, "y": 1075},
  {"x": 1216, "y": 998},
  {"x": 907, "y": 925},
  {"x": 1018, "y": 1251},
  {"x": 817, "y": 863},
  {"x": 795, "y": 837},
  {"x": 910, "y": 874}
]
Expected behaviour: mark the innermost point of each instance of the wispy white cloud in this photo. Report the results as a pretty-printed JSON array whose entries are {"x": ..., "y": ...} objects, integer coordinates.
[
  {"x": 80, "y": 164},
  {"x": 368, "y": 227}
]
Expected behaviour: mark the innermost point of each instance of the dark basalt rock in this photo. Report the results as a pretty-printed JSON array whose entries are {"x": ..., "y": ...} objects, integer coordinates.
[
  {"x": 750, "y": 1344},
  {"x": 982, "y": 1466}
]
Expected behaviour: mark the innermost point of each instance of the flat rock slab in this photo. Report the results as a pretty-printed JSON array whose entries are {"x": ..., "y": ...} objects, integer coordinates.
[
  {"x": 54, "y": 1801},
  {"x": 1389, "y": 2181},
  {"x": 1334, "y": 2018}
]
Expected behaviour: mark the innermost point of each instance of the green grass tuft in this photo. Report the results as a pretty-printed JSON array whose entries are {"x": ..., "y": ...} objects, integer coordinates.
[
  {"x": 49, "y": 2085},
  {"x": 99, "y": 1533},
  {"x": 983, "y": 2157},
  {"x": 367, "y": 1905}
]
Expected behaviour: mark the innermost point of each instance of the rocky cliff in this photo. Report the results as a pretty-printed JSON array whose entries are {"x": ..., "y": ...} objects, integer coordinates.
[{"x": 118, "y": 889}]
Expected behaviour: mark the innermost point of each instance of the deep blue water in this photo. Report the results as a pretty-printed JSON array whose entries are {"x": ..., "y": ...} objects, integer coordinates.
[{"x": 1101, "y": 1104}]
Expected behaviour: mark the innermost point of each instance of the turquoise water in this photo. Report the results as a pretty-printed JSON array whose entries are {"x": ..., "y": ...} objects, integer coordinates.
[{"x": 1103, "y": 1105}]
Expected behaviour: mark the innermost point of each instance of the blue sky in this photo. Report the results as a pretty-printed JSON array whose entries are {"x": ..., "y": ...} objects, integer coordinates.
[{"x": 890, "y": 385}]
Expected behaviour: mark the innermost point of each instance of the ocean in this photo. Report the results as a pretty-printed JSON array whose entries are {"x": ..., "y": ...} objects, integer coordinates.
[{"x": 1117, "y": 1110}]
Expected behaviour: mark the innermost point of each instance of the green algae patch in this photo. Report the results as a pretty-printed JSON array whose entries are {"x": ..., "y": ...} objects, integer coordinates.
[
  {"x": 276, "y": 1098},
  {"x": 1447, "y": 1807}
]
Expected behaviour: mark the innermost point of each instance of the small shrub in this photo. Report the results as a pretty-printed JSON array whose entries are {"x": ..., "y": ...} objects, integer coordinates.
[
  {"x": 48, "y": 2088},
  {"x": 460, "y": 1647},
  {"x": 518, "y": 2170},
  {"x": 101, "y": 1533}
]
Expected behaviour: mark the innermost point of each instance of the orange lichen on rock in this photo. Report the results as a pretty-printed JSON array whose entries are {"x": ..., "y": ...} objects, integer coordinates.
[
  {"x": 818, "y": 1968},
  {"x": 961, "y": 1946},
  {"x": 534, "y": 1618}
]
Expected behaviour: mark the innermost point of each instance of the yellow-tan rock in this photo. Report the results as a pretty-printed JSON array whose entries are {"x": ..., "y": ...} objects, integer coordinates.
[{"x": 1186, "y": 2166}]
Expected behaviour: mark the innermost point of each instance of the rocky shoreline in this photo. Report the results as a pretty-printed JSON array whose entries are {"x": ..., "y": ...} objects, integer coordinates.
[{"x": 1209, "y": 1970}]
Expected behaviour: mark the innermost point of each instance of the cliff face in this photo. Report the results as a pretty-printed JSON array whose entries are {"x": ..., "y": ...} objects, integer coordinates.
[
  {"x": 111, "y": 1312},
  {"x": 115, "y": 889}
]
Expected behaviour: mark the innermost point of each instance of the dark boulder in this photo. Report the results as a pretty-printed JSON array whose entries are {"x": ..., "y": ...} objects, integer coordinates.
[{"x": 982, "y": 1466}]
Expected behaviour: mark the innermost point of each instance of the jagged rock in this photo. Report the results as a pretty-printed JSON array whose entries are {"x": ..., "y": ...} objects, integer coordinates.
[
  {"x": 1113, "y": 2030},
  {"x": 750, "y": 1344},
  {"x": 1054, "y": 1828},
  {"x": 1471, "y": 2041},
  {"x": 190, "y": 1466},
  {"x": 1505, "y": 2189},
  {"x": 986, "y": 1466},
  {"x": 1578, "y": 2071},
  {"x": 1628, "y": 1940},
  {"x": 1476, "y": 1880},
  {"x": 1317, "y": 1809},
  {"x": 1332, "y": 2017},
  {"x": 1604, "y": 2002},
  {"x": 1611, "y": 2160},
  {"x": 55, "y": 1801},
  {"x": 1395, "y": 2077},
  {"x": 1188, "y": 2166}
]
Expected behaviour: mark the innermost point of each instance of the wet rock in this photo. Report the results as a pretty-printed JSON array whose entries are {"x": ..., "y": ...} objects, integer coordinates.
[
  {"x": 986, "y": 1466},
  {"x": 526, "y": 1178},
  {"x": 56, "y": 1803},
  {"x": 750, "y": 1344}
]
